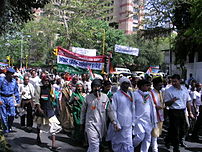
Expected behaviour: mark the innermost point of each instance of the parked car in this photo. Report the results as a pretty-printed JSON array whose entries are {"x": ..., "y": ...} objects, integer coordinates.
[{"x": 139, "y": 74}]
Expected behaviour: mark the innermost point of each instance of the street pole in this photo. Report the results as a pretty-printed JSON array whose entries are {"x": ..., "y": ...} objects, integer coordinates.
[
  {"x": 103, "y": 42},
  {"x": 21, "y": 51},
  {"x": 26, "y": 61}
]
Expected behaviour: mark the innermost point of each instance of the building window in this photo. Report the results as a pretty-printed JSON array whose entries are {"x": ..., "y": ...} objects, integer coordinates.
[
  {"x": 135, "y": 1},
  {"x": 135, "y": 17},
  {"x": 135, "y": 10}
]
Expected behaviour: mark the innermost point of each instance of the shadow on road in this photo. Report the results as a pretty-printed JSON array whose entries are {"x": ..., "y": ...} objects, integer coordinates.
[
  {"x": 28, "y": 141},
  {"x": 163, "y": 149},
  {"x": 194, "y": 149}
]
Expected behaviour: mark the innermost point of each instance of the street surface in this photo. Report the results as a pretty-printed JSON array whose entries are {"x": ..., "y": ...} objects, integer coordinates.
[{"x": 22, "y": 141}]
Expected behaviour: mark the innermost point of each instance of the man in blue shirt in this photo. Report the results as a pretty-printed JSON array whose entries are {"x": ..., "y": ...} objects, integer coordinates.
[{"x": 9, "y": 98}]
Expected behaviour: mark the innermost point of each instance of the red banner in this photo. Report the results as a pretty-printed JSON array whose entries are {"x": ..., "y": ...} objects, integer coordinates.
[{"x": 67, "y": 53}]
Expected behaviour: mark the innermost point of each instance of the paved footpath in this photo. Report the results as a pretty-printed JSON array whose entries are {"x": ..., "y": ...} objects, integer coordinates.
[{"x": 22, "y": 141}]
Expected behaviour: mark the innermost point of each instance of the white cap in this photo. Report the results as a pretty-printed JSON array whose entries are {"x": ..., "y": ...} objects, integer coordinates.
[{"x": 124, "y": 79}]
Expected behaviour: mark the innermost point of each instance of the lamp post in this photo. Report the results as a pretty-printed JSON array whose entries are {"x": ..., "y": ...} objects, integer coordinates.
[
  {"x": 21, "y": 48},
  {"x": 103, "y": 42}
]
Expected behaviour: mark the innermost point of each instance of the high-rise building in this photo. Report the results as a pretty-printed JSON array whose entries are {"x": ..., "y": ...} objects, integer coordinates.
[{"x": 126, "y": 15}]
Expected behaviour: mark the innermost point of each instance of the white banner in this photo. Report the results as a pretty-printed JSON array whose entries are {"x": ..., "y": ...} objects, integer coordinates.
[
  {"x": 79, "y": 63},
  {"x": 87, "y": 52},
  {"x": 126, "y": 50}
]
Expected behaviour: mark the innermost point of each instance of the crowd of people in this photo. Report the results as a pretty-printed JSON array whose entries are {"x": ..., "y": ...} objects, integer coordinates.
[{"x": 123, "y": 116}]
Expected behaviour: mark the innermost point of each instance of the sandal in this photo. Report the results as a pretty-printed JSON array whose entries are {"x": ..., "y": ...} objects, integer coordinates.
[{"x": 55, "y": 148}]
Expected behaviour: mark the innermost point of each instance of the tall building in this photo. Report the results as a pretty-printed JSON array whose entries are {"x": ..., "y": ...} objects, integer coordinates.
[{"x": 126, "y": 15}]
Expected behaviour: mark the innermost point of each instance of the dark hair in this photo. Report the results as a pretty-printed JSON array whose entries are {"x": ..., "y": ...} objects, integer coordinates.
[
  {"x": 157, "y": 80},
  {"x": 96, "y": 82},
  {"x": 106, "y": 83},
  {"x": 193, "y": 81},
  {"x": 176, "y": 76},
  {"x": 143, "y": 82}
]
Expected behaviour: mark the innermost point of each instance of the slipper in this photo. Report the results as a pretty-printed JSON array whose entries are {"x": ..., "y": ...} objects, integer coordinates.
[{"x": 55, "y": 148}]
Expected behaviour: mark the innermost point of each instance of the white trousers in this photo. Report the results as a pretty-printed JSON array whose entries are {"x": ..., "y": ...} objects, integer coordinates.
[
  {"x": 145, "y": 138},
  {"x": 154, "y": 144},
  {"x": 93, "y": 139}
]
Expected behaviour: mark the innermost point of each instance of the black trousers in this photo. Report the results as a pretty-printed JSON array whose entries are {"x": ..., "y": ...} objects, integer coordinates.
[
  {"x": 28, "y": 107},
  {"x": 177, "y": 124}
]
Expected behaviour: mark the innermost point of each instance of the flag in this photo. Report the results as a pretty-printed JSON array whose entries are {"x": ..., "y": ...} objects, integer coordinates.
[
  {"x": 149, "y": 71},
  {"x": 92, "y": 76}
]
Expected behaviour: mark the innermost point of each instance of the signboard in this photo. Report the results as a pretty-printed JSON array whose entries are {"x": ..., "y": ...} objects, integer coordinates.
[
  {"x": 87, "y": 52},
  {"x": 126, "y": 50}
]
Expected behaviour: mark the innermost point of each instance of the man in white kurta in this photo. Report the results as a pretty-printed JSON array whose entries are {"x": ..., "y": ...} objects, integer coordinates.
[
  {"x": 145, "y": 116},
  {"x": 94, "y": 115},
  {"x": 120, "y": 130},
  {"x": 159, "y": 105}
]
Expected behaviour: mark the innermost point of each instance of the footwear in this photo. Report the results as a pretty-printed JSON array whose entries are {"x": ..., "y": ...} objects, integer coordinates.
[
  {"x": 182, "y": 144},
  {"x": 5, "y": 134},
  {"x": 22, "y": 127},
  {"x": 38, "y": 140},
  {"x": 167, "y": 145},
  {"x": 194, "y": 139},
  {"x": 176, "y": 150},
  {"x": 12, "y": 130},
  {"x": 55, "y": 148},
  {"x": 29, "y": 129}
]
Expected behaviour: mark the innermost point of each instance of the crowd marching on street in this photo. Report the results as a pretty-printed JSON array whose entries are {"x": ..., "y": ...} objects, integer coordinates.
[{"x": 122, "y": 114}]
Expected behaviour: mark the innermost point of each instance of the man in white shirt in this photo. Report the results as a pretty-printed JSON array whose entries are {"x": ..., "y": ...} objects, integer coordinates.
[
  {"x": 27, "y": 96},
  {"x": 34, "y": 79},
  {"x": 177, "y": 99},
  {"x": 198, "y": 104}
]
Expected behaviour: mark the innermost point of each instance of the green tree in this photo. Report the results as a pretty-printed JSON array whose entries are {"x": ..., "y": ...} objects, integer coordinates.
[
  {"x": 188, "y": 20},
  {"x": 14, "y": 13},
  {"x": 185, "y": 17},
  {"x": 43, "y": 34},
  {"x": 72, "y": 13},
  {"x": 150, "y": 51}
]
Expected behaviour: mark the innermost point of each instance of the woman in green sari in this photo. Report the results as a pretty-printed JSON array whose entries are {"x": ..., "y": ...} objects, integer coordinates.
[{"x": 76, "y": 100}]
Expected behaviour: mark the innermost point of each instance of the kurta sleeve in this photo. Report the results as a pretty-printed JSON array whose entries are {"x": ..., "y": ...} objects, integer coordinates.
[
  {"x": 110, "y": 111},
  {"x": 32, "y": 91},
  {"x": 114, "y": 109},
  {"x": 37, "y": 94}
]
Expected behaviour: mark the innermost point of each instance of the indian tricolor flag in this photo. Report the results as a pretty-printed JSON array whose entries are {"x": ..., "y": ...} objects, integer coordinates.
[
  {"x": 92, "y": 76},
  {"x": 149, "y": 71}
]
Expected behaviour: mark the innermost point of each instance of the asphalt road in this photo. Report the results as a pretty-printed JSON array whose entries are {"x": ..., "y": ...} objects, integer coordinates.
[{"x": 22, "y": 141}]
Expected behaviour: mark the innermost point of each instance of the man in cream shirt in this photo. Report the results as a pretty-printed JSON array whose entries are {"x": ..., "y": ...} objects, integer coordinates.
[{"x": 27, "y": 97}]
